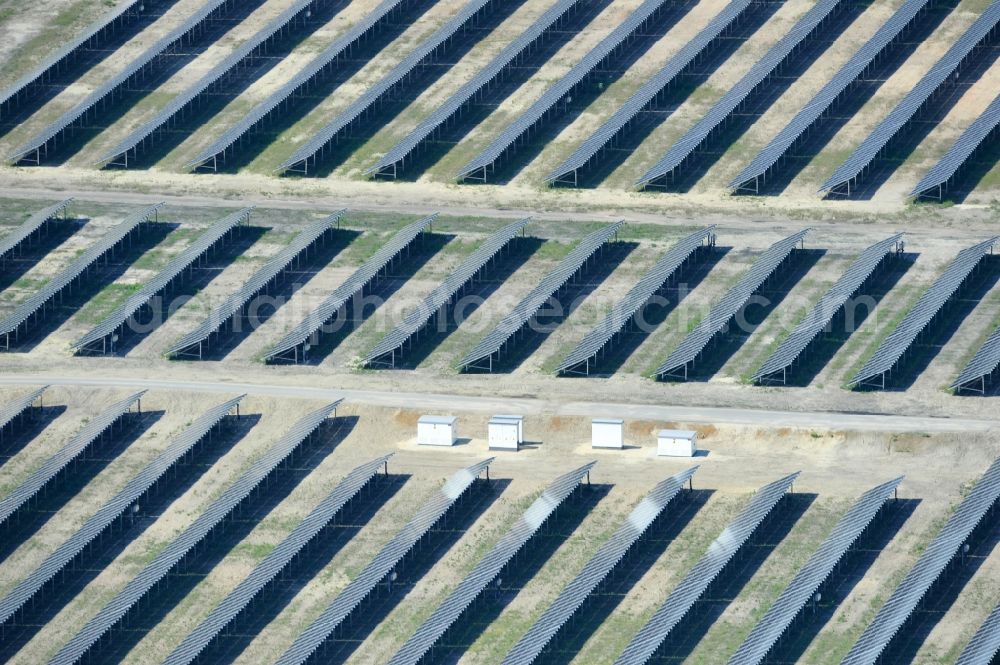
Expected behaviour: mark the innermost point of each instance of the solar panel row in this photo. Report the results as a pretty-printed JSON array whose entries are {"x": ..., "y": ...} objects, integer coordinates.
[
  {"x": 877, "y": 369},
  {"x": 680, "y": 601},
  {"x": 780, "y": 363},
  {"x": 687, "y": 352},
  {"x": 222, "y": 318},
  {"x": 102, "y": 338},
  {"x": 885, "y": 41},
  {"x": 382, "y": 566},
  {"x": 481, "y": 356},
  {"x": 268, "y": 570},
  {"x": 981, "y": 366},
  {"x": 624, "y": 311},
  {"x": 57, "y": 465},
  {"x": 37, "y": 148},
  {"x": 34, "y": 308},
  {"x": 392, "y": 345},
  {"x": 52, "y": 571},
  {"x": 488, "y": 568},
  {"x": 296, "y": 344},
  {"x": 35, "y": 225},
  {"x": 946, "y": 545},
  {"x": 847, "y": 175},
  {"x": 985, "y": 644},
  {"x": 388, "y": 85},
  {"x": 317, "y": 69},
  {"x": 779, "y": 617},
  {"x": 548, "y": 104},
  {"x": 18, "y": 408},
  {"x": 532, "y": 644},
  {"x": 201, "y": 529}
]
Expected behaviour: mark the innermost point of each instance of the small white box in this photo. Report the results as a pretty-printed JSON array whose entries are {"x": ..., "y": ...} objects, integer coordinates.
[
  {"x": 676, "y": 443},
  {"x": 504, "y": 432},
  {"x": 436, "y": 431},
  {"x": 607, "y": 433}
]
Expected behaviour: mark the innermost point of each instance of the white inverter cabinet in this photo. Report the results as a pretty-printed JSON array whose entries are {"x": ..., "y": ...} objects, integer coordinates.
[
  {"x": 607, "y": 433},
  {"x": 436, "y": 431},
  {"x": 504, "y": 432},
  {"x": 676, "y": 443}
]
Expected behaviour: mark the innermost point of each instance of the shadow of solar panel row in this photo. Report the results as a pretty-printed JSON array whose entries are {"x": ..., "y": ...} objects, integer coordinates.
[
  {"x": 488, "y": 568},
  {"x": 34, "y": 226},
  {"x": 777, "y": 367},
  {"x": 15, "y": 411},
  {"x": 60, "y": 464},
  {"x": 722, "y": 313},
  {"x": 877, "y": 370},
  {"x": 294, "y": 346},
  {"x": 318, "y": 67},
  {"x": 946, "y": 546},
  {"x": 392, "y": 345},
  {"x": 102, "y": 338},
  {"x": 268, "y": 570},
  {"x": 389, "y": 84},
  {"x": 532, "y": 644},
  {"x": 222, "y": 318},
  {"x": 985, "y": 644},
  {"x": 854, "y": 167},
  {"x": 52, "y": 571},
  {"x": 509, "y": 58},
  {"x": 93, "y": 38},
  {"x": 34, "y": 308},
  {"x": 684, "y": 596},
  {"x": 888, "y": 37},
  {"x": 981, "y": 367},
  {"x": 646, "y": 96},
  {"x": 594, "y": 343},
  {"x": 573, "y": 264},
  {"x": 36, "y": 149},
  {"x": 935, "y": 184},
  {"x": 257, "y": 46},
  {"x": 821, "y": 564},
  {"x": 359, "y": 589},
  {"x": 809, "y": 27},
  {"x": 214, "y": 517}
]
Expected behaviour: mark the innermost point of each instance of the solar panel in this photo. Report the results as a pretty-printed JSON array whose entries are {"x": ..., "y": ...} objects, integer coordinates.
[
  {"x": 174, "y": 553},
  {"x": 101, "y": 339},
  {"x": 647, "y": 94},
  {"x": 384, "y": 563},
  {"x": 821, "y": 564},
  {"x": 53, "y": 467},
  {"x": 484, "y": 78},
  {"x": 853, "y": 169},
  {"x": 318, "y": 67},
  {"x": 780, "y": 363},
  {"x": 274, "y": 564},
  {"x": 93, "y": 37},
  {"x": 195, "y": 343},
  {"x": 392, "y": 345},
  {"x": 693, "y": 586},
  {"x": 985, "y": 644},
  {"x": 295, "y": 345},
  {"x": 807, "y": 28},
  {"x": 718, "y": 318},
  {"x": 37, "y": 222},
  {"x": 255, "y": 47},
  {"x": 52, "y": 571},
  {"x": 936, "y": 182},
  {"x": 634, "y": 301},
  {"x": 981, "y": 366},
  {"x": 13, "y": 410},
  {"x": 532, "y": 644},
  {"x": 875, "y": 49},
  {"x": 906, "y": 597},
  {"x": 488, "y": 568},
  {"x": 33, "y": 308},
  {"x": 397, "y": 78},
  {"x": 892, "y": 349},
  {"x": 574, "y": 263},
  {"x": 36, "y": 149}
]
